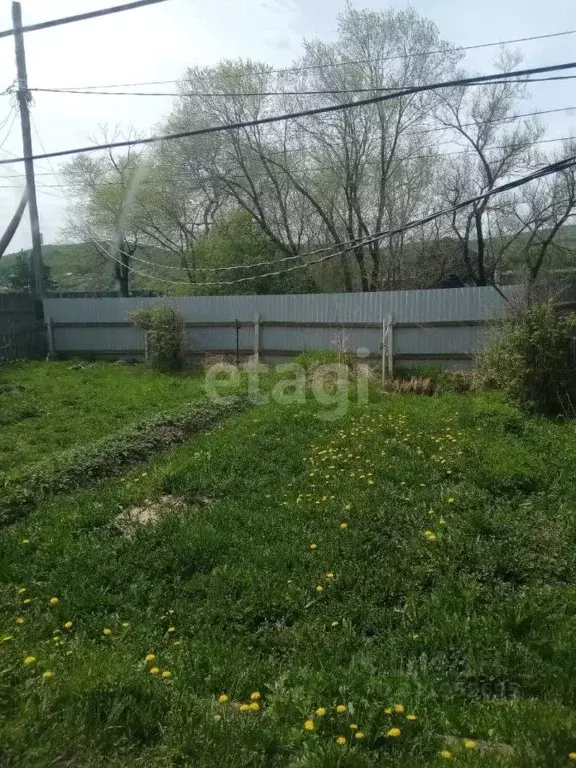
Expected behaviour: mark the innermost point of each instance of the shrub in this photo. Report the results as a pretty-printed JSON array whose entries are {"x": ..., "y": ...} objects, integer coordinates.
[
  {"x": 165, "y": 335},
  {"x": 531, "y": 359}
]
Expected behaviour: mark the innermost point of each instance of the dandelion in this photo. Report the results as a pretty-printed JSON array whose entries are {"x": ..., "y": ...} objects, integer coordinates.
[
  {"x": 22, "y": 590},
  {"x": 348, "y": 507},
  {"x": 255, "y": 696},
  {"x": 319, "y": 588},
  {"x": 29, "y": 660},
  {"x": 54, "y": 600},
  {"x": 343, "y": 526},
  {"x": 27, "y": 601},
  {"x": 223, "y": 699},
  {"x": 469, "y": 743},
  {"x": 450, "y": 500},
  {"x": 19, "y": 620},
  {"x": 255, "y": 706},
  {"x": 171, "y": 629},
  {"x": 398, "y": 707},
  {"x": 334, "y": 623},
  {"x": 341, "y": 740},
  {"x": 388, "y": 711},
  {"x": 125, "y": 625},
  {"x": 359, "y": 735},
  {"x": 353, "y": 727},
  {"x": 107, "y": 631},
  {"x": 166, "y": 674},
  {"x": 154, "y": 671},
  {"x": 341, "y": 708},
  {"x": 150, "y": 656},
  {"x": 309, "y": 725},
  {"x": 313, "y": 547},
  {"x": 393, "y": 733},
  {"x": 25, "y": 541},
  {"x": 321, "y": 711},
  {"x": 411, "y": 717},
  {"x": 572, "y": 756},
  {"x": 47, "y": 674},
  {"x": 446, "y": 754},
  {"x": 330, "y": 575},
  {"x": 244, "y": 708},
  {"x": 68, "y": 625}
]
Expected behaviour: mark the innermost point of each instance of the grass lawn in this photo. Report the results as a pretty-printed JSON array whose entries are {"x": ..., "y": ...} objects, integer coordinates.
[
  {"x": 394, "y": 588},
  {"x": 46, "y": 407}
]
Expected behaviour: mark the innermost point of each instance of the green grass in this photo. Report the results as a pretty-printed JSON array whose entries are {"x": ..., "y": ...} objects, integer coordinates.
[
  {"x": 473, "y": 631},
  {"x": 47, "y": 407}
]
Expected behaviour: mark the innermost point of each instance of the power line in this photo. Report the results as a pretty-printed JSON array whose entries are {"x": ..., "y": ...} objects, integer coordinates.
[
  {"x": 263, "y": 93},
  {"x": 82, "y": 16},
  {"x": 557, "y": 167},
  {"x": 304, "y": 113},
  {"x": 411, "y": 133},
  {"x": 347, "y": 63},
  {"x": 68, "y": 184}
]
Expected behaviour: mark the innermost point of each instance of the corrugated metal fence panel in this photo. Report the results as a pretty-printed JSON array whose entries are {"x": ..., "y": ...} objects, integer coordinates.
[
  {"x": 406, "y": 306},
  {"x": 21, "y": 335},
  {"x": 465, "y": 308}
]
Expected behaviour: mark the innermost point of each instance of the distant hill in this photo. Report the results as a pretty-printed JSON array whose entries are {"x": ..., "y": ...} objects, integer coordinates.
[{"x": 81, "y": 267}]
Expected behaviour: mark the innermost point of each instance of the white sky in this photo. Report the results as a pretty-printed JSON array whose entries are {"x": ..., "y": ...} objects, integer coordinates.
[{"x": 159, "y": 42}]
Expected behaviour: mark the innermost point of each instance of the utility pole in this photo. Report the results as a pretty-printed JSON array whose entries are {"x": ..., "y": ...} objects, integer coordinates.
[{"x": 23, "y": 99}]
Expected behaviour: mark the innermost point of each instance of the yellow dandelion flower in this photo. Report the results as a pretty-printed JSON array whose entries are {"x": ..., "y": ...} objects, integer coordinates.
[
  {"x": 393, "y": 733},
  {"x": 223, "y": 699},
  {"x": 29, "y": 660},
  {"x": 154, "y": 671},
  {"x": 388, "y": 711},
  {"x": 359, "y": 735},
  {"x": 20, "y": 620},
  {"x": 353, "y": 727},
  {"x": 244, "y": 708},
  {"x": 321, "y": 711},
  {"x": 411, "y": 717},
  {"x": 125, "y": 625},
  {"x": 255, "y": 696},
  {"x": 343, "y": 526},
  {"x": 166, "y": 673},
  {"x": 22, "y": 590},
  {"x": 572, "y": 756},
  {"x": 348, "y": 507},
  {"x": 54, "y": 600},
  {"x": 47, "y": 674},
  {"x": 313, "y": 546},
  {"x": 330, "y": 575},
  {"x": 255, "y": 706},
  {"x": 398, "y": 707},
  {"x": 450, "y": 500},
  {"x": 150, "y": 656},
  {"x": 341, "y": 740},
  {"x": 171, "y": 629},
  {"x": 341, "y": 708},
  {"x": 446, "y": 754},
  {"x": 319, "y": 588},
  {"x": 334, "y": 623},
  {"x": 68, "y": 625},
  {"x": 107, "y": 631},
  {"x": 25, "y": 541},
  {"x": 27, "y": 601},
  {"x": 309, "y": 725},
  {"x": 469, "y": 743}
]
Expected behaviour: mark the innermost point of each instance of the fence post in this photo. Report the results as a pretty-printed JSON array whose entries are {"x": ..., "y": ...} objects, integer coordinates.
[
  {"x": 257, "y": 338},
  {"x": 50, "y": 338},
  {"x": 383, "y": 344},
  {"x": 391, "y": 346}
]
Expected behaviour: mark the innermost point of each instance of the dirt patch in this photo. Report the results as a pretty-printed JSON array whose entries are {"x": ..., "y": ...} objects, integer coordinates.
[{"x": 128, "y": 521}]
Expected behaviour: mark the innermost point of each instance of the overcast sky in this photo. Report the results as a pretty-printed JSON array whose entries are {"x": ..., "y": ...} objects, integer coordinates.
[{"x": 159, "y": 42}]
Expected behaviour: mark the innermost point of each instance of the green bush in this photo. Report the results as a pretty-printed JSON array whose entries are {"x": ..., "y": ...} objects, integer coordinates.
[
  {"x": 165, "y": 334},
  {"x": 531, "y": 359}
]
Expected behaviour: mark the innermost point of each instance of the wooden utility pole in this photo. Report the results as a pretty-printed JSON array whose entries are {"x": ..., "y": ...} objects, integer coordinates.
[{"x": 37, "y": 270}]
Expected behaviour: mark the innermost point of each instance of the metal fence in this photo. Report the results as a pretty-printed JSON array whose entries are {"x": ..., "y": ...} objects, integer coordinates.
[
  {"x": 445, "y": 327},
  {"x": 22, "y": 335}
]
